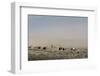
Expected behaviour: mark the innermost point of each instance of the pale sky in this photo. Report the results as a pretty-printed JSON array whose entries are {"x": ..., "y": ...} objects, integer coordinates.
[{"x": 67, "y": 31}]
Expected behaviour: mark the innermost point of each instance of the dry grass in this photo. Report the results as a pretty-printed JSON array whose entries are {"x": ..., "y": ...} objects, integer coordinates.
[{"x": 50, "y": 54}]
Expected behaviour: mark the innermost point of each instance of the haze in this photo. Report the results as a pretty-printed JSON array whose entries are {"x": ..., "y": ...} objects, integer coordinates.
[{"x": 67, "y": 31}]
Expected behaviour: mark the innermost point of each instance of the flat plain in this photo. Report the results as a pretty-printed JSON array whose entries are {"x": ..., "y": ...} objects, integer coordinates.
[{"x": 53, "y": 54}]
